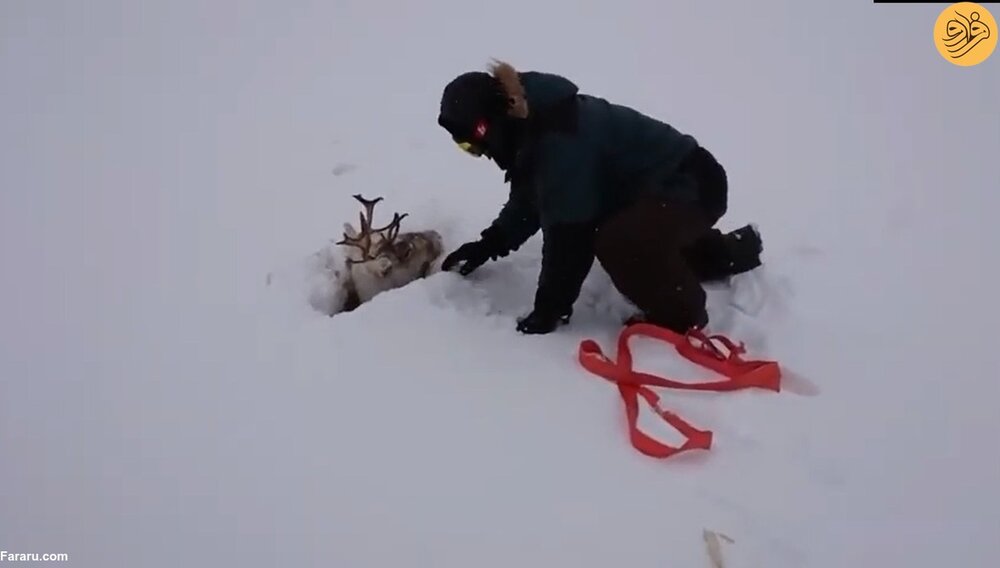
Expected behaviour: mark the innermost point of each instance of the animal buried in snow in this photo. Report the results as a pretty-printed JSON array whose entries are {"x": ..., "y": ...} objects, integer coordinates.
[{"x": 382, "y": 259}]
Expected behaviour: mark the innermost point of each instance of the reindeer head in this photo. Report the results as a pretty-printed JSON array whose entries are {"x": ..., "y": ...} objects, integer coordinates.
[{"x": 380, "y": 259}]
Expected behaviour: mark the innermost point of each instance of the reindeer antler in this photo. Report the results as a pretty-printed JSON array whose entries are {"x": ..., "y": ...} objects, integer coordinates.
[
  {"x": 392, "y": 229},
  {"x": 369, "y": 212},
  {"x": 364, "y": 239}
]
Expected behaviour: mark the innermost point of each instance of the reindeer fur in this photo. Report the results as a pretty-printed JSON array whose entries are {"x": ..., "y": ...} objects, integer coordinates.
[{"x": 386, "y": 260}]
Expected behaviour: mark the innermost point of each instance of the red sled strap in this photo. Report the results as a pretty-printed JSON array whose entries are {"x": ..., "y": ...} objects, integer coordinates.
[{"x": 698, "y": 348}]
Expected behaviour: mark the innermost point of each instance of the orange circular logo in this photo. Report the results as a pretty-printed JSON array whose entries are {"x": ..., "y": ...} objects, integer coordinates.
[{"x": 965, "y": 34}]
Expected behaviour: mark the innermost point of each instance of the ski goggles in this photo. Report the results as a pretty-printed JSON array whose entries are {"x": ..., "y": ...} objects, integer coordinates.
[
  {"x": 473, "y": 144},
  {"x": 470, "y": 148}
]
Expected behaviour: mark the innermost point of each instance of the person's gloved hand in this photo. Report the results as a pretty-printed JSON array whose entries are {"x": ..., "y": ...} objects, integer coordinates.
[
  {"x": 469, "y": 257},
  {"x": 540, "y": 322}
]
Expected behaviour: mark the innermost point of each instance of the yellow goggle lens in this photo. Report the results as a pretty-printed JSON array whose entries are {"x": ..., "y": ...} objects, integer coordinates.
[{"x": 470, "y": 148}]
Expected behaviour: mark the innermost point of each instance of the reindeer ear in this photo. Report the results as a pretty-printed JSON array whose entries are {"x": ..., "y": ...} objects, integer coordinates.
[
  {"x": 353, "y": 254},
  {"x": 383, "y": 266}
]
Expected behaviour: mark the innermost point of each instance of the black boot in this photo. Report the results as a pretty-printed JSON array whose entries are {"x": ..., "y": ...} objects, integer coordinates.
[
  {"x": 717, "y": 256},
  {"x": 744, "y": 246}
]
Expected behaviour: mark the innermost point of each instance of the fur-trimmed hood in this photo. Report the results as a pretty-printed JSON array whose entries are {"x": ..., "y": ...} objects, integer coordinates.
[{"x": 531, "y": 91}]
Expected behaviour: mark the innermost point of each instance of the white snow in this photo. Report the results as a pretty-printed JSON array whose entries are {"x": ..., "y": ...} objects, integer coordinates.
[{"x": 161, "y": 405}]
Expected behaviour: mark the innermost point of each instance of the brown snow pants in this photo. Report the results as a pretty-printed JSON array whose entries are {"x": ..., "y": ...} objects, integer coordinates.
[{"x": 658, "y": 252}]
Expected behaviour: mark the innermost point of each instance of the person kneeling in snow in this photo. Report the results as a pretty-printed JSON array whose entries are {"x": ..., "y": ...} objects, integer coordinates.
[{"x": 599, "y": 180}]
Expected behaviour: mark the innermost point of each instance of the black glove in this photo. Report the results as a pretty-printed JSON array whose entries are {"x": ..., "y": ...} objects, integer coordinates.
[
  {"x": 540, "y": 322},
  {"x": 474, "y": 254},
  {"x": 471, "y": 255}
]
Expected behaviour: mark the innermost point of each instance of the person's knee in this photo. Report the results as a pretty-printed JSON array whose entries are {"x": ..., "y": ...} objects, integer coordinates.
[
  {"x": 679, "y": 308},
  {"x": 657, "y": 281}
]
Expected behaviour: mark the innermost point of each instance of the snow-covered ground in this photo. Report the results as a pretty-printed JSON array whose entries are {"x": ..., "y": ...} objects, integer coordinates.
[{"x": 162, "y": 405}]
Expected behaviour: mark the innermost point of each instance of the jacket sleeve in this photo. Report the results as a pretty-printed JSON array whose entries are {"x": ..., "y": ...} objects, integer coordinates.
[
  {"x": 567, "y": 256},
  {"x": 517, "y": 222}
]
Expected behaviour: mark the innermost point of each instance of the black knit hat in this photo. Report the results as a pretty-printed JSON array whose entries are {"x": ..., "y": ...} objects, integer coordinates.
[{"x": 469, "y": 99}]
